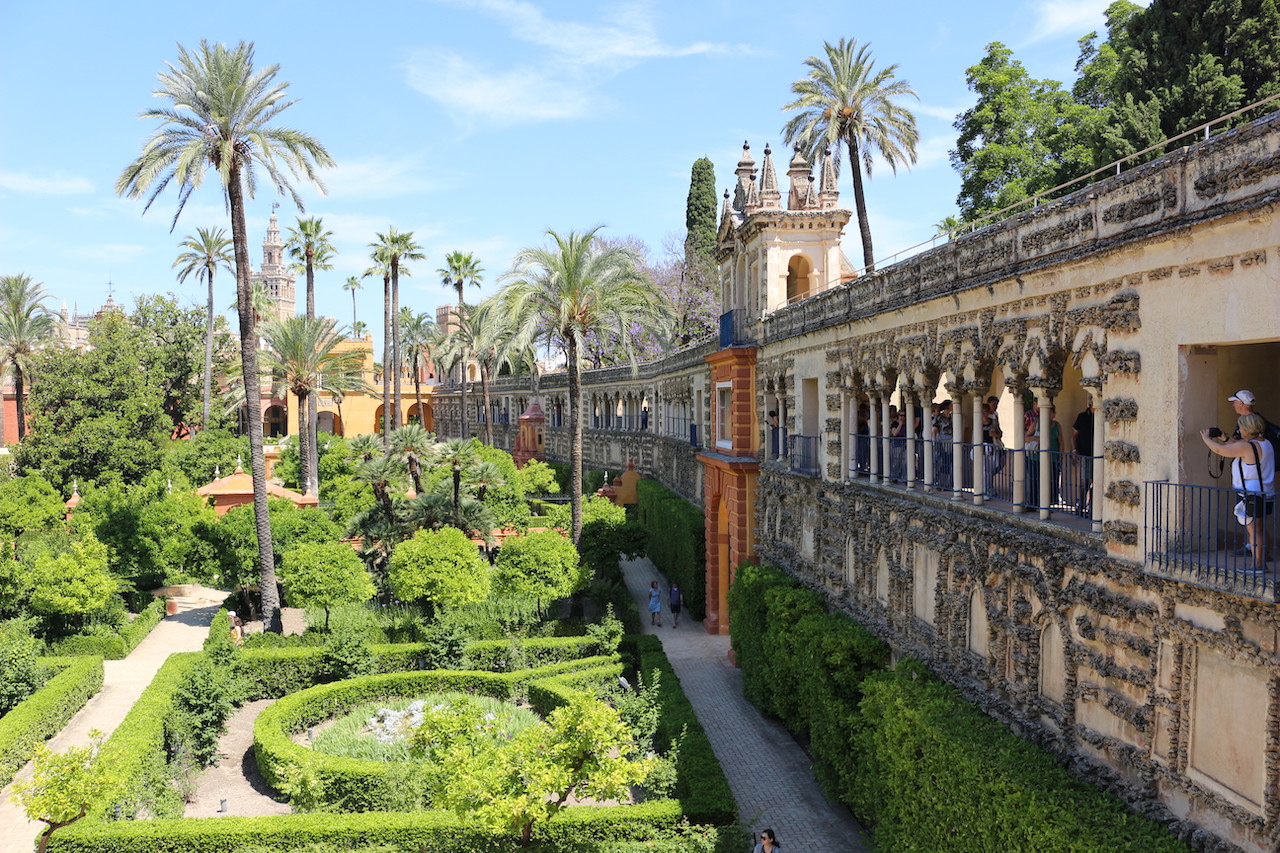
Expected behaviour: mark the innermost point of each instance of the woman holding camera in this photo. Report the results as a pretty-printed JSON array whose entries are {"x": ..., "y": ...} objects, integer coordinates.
[{"x": 1253, "y": 476}]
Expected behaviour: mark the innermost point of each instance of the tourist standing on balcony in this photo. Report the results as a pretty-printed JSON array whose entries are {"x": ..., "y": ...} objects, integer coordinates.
[
  {"x": 1082, "y": 444},
  {"x": 1253, "y": 476},
  {"x": 942, "y": 436}
]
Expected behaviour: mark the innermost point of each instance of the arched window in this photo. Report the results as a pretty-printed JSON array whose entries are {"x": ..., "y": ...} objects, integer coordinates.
[{"x": 799, "y": 283}]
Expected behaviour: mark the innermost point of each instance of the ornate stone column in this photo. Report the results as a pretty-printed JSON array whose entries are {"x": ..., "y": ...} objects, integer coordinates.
[
  {"x": 957, "y": 443},
  {"x": 979, "y": 450},
  {"x": 886, "y": 443},
  {"x": 909, "y": 403},
  {"x": 1045, "y": 462},
  {"x": 873, "y": 428},
  {"x": 1017, "y": 433}
]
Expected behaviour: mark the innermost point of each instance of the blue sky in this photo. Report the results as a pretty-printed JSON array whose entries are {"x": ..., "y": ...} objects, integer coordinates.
[{"x": 476, "y": 125}]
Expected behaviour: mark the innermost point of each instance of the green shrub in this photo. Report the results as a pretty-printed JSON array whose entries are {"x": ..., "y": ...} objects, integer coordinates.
[
  {"x": 439, "y": 569},
  {"x": 926, "y": 769},
  {"x": 22, "y": 672},
  {"x": 543, "y": 566},
  {"x": 938, "y": 774},
  {"x": 47, "y": 710},
  {"x": 677, "y": 541},
  {"x": 111, "y": 643},
  {"x": 348, "y": 655},
  {"x": 202, "y": 702}
]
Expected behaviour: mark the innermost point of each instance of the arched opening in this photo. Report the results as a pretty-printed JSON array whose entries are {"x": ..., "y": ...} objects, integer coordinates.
[
  {"x": 275, "y": 422},
  {"x": 329, "y": 422},
  {"x": 377, "y": 420},
  {"x": 798, "y": 278}
]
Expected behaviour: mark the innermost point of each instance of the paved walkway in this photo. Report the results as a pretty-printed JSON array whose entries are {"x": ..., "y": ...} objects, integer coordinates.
[
  {"x": 123, "y": 682},
  {"x": 235, "y": 779},
  {"x": 767, "y": 770}
]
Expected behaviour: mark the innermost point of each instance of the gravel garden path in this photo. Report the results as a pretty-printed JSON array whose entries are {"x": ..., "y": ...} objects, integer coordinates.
[{"x": 235, "y": 781}]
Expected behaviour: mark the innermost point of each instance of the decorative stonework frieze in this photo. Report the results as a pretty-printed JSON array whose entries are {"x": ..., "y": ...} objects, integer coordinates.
[
  {"x": 1237, "y": 175},
  {"x": 1117, "y": 409},
  {"x": 1125, "y": 492},
  {"x": 1127, "y": 211},
  {"x": 1120, "y": 532},
  {"x": 1119, "y": 361},
  {"x": 1121, "y": 451}
]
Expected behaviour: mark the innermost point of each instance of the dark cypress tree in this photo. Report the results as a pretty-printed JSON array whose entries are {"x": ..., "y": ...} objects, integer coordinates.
[{"x": 700, "y": 209}]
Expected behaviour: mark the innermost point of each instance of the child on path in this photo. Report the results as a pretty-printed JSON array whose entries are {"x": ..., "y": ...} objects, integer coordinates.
[
  {"x": 655, "y": 605},
  {"x": 676, "y": 599}
]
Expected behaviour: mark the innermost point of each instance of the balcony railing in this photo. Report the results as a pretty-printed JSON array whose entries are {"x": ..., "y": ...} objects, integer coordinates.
[
  {"x": 919, "y": 462},
  {"x": 1196, "y": 534},
  {"x": 733, "y": 328},
  {"x": 804, "y": 455}
]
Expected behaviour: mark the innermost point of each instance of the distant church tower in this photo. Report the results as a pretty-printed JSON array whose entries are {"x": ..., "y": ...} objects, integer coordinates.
[{"x": 274, "y": 275}]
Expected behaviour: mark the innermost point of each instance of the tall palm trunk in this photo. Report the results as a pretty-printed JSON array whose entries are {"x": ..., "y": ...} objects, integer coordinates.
[
  {"x": 270, "y": 596},
  {"x": 463, "y": 397},
  {"x": 488, "y": 410},
  {"x": 386, "y": 361},
  {"x": 575, "y": 441},
  {"x": 417, "y": 387},
  {"x": 860, "y": 202},
  {"x": 313, "y": 402},
  {"x": 19, "y": 392},
  {"x": 353, "y": 311},
  {"x": 208, "y": 356},
  {"x": 305, "y": 440},
  {"x": 395, "y": 335}
]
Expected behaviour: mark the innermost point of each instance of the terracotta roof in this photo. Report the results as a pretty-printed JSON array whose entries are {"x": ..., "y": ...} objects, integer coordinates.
[{"x": 241, "y": 483}]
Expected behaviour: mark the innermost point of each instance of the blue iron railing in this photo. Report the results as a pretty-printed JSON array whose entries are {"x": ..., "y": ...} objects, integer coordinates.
[
  {"x": 1205, "y": 535},
  {"x": 733, "y": 328},
  {"x": 804, "y": 455}
]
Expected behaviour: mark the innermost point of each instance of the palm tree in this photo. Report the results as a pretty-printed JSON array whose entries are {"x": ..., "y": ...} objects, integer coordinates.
[
  {"x": 311, "y": 249},
  {"x": 25, "y": 325},
  {"x": 413, "y": 443},
  {"x": 948, "y": 227},
  {"x": 484, "y": 335},
  {"x": 397, "y": 247},
  {"x": 219, "y": 118},
  {"x": 353, "y": 284},
  {"x": 846, "y": 100},
  {"x": 419, "y": 333},
  {"x": 382, "y": 267},
  {"x": 206, "y": 251},
  {"x": 461, "y": 269},
  {"x": 303, "y": 355},
  {"x": 573, "y": 289}
]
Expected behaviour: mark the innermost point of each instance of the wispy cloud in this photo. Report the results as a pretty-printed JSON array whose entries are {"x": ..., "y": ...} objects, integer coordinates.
[
  {"x": 931, "y": 150},
  {"x": 942, "y": 113},
  {"x": 380, "y": 177},
  {"x": 1072, "y": 18},
  {"x": 577, "y": 57},
  {"x": 54, "y": 183},
  {"x": 111, "y": 252}
]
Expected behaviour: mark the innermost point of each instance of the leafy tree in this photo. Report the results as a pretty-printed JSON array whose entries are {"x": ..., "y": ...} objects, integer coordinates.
[
  {"x": 196, "y": 459},
  {"x": 219, "y": 120},
  {"x": 1193, "y": 60},
  {"x": 563, "y": 293},
  {"x": 171, "y": 337},
  {"x": 234, "y": 538},
  {"x": 205, "y": 253},
  {"x": 583, "y": 749},
  {"x": 324, "y": 574},
  {"x": 97, "y": 413},
  {"x": 63, "y": 786},
  {"x": 1022, "y": 137},
  {"x": 29, "y": 504},
  {"x": 153, "y": 536},
  {"x": 543, "y": 566},
  {"x": 461, "y": 269},
  {"x": 537, "y": 478},
  {"x": 847, "y": 100},
  {"x": 26, "y": 324},
  {"x": 73, "y": 584},
  {"x": 700, "y": 208},
  {"x": 21, "y": 671},
  {"x": 440, "y": 568}
]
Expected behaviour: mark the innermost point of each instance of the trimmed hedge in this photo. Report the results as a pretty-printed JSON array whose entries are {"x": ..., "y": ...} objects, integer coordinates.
[
  {"x": 43, "y": 714},
  {"x": 677, "y": 541},
  {"x": 925, "y": 769},
  {"x": 937, "y": 773},
  {"x": 344, "y": 784},
  {"x": 113, "y": 646},
  {"x": 577, "y": 829},
  {"x": 136, "y": 749},
  {"x": 701, "y": 787}
]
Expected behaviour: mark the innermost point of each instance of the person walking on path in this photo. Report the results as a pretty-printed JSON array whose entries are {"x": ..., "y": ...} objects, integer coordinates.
[
  {"x": 675, "y": 599},
  {"x": 768, "y": 842},
  {"x": 655, "y": 605}
]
